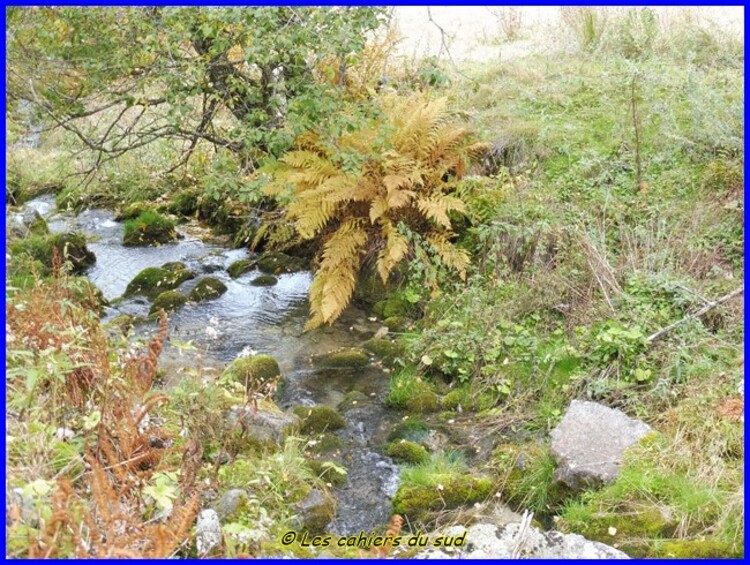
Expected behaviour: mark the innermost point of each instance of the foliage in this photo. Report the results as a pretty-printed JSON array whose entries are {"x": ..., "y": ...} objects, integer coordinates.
[
  {"x": 356, "y": 195},
  {"x": 61, "y": 375},
  {"x": 176, "y": 73}
]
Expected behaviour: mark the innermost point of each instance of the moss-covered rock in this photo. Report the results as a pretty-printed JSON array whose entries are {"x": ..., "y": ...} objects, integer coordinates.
[
  {"x": 275, "y": 262},
  {"x": 30, "y": 222},
  {"x": 405, "y": 451},
  {"x": 132, "y": 210},
  {"x": 416, "y": 502},
  {"x": 254, "y": 370},
  {"x": 264, "y": 280},
  {"x": 409, "y": 391},
  {"x": 240, "y": 267},
  {"x": 350, "y": 357},
  {"x": 207, "y": 288},
  {"x": 352, "y": 399},
  {"x": 319, "y": 419},
  {"x": 149, "y": 228},
  {"x": 394, "y": 306},
  {"x": 329, "y": 472},
  {"x": 629, "y": 527},
  {"x": 410, "y": 430},
  {"x": 169, "y": 301},
  {"x": 174, "y": 266},
  {"x": 124, "y": 322},
  {"x": 264, "y": 429},
  {"x": 423, "y": 401},
  {"x": 383, "y": 348},
  {"x": 70, "y": 247},
  {"x": 316, "y": 511},
  {"x": 326, "y": 442},
  {"x": 232, "y": 505},
  {"x": 152, "y": 281},
  {"x": 395, "y": 323}
]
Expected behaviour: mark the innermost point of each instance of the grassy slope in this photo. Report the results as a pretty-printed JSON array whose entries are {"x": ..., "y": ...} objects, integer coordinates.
[{"x": 630, "y": 258}]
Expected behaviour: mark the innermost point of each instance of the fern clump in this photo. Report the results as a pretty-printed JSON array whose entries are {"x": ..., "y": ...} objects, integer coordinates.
[{"x": 359, "y": 196}]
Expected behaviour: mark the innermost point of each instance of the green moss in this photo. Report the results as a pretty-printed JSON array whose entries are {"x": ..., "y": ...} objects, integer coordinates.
[
  {"x": 152, "y": 281},
  {"x": 264, "y": 280},
  {"x": 329, "y": 472},
  {"x": 327, "y": 442},
  {"x": 416, "y": 502},
  {"x": 405, "y": 451},
  {"x": 69, "y": 246},
  {"x": 168, "y": 301},
  {"x": 395, "y": 323},
  {"x": 350, "y": 357},
  {"x": 319, "y": 419},
  {"x": 410, "y": 392},
  {"x": 352, "y": 400},
  {"x": 696, "y": 549},
  {"x": 253, "y": 370},
  {"x": 274, "y": 262},
  {"x": 411, "y": 430},
  {"x": 631, "y": 527},
  {"x": 240, "y": 267},
  {"x": 148, "y": 228},
  {"x": 174, "y": 266},
  {"x": 394, "y": 306},
  {"x": 423, "y": 401},
  {"x": 383, "y": 348},
  {"x": 207, "y": 288}
]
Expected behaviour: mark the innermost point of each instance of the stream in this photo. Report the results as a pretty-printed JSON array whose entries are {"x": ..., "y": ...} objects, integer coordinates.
[{"x": 253, "y": 319}]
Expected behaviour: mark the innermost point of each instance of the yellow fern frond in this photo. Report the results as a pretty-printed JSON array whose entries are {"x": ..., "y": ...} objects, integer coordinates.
[
  {"x": 437, "y": 207},
  {"x": 395, "y": 182},
  {"x": 378, "y": 207},
  {"x": 310, "y": 218},
  {"x": 396, "y": 248},
  {"x": 337, "y": 276},
  {"x": 400, "y": 198},
  {"x": 452, "y": 256}
]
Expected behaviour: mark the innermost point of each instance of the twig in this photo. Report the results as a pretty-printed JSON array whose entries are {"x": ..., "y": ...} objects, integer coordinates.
[
  {"x": 444, "y": 47},
  {"x": 707, "y": 308}
]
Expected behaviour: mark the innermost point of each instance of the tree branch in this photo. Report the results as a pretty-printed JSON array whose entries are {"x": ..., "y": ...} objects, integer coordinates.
[{"x": 707, "y": 308}]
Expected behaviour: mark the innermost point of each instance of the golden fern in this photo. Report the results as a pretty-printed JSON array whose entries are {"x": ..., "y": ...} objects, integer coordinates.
[{"x": 352, "y": 215}]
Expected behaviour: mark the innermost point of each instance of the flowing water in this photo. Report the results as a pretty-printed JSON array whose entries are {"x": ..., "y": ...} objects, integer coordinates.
[{"x": 252, "y": 319}]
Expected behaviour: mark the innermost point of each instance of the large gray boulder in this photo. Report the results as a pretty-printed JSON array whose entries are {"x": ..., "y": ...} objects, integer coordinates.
[
  {"x": 589, "y": 443},
  {"x": 513, "y": 541},
  {"x": 265, "y": 426}
]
